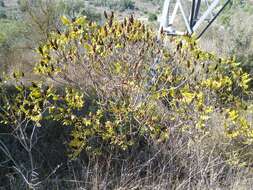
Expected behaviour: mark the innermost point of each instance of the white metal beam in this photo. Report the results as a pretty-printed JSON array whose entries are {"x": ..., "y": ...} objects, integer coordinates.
[
  {"x": 192, "y": 21},
  {"x": 206, "y": 14}
]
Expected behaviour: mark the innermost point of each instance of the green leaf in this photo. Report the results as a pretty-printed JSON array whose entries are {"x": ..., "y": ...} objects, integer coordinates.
[{"x": 65, "y": 20}]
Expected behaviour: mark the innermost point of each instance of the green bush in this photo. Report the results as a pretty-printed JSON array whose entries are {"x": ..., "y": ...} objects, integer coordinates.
[
  {"x": 135, "y": 90},
  {"x": 2, "y": 10},
  {"x": 152, "y": 17},
  {"x": 116, "y": 4},
  {"x": 126, "y": 4},
  {"x": 11, "y": 34},
  {"x": 10, "y": 30}
]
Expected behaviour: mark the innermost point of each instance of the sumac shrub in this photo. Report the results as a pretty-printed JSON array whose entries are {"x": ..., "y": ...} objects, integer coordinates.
[{"x": 123, "y": 85}]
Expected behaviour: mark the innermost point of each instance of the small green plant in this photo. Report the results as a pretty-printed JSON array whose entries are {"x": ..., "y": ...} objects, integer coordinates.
[
  {"x": 2, "y": 10},
  {"x": 126, "y": 4},
  {"x": 152, "y": 17}
]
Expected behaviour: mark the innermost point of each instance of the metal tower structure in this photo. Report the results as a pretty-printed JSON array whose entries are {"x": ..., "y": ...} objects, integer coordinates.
[{"x": 186, "y": 17}]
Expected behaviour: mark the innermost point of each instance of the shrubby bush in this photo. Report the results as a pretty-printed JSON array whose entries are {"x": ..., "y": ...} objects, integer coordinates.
[
  {"x": 152, "y": 17},
  {"x": 116, "y": 4},
  {"x": 126, "y": 4},
  {"x": 116, "y": 87},
  {"x": 142, "y": 94},
  {"x": 11, "y": 34},
  {"x": 2, "y": 10},
  {"x": 160, "y": 2}
]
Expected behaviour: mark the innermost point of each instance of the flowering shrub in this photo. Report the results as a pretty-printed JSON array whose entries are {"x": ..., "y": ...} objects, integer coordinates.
[{"x": 123, "y": 85}]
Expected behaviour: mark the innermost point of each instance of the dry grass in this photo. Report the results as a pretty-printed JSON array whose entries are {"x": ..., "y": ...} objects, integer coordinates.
[{"x": 184, "y": 162}]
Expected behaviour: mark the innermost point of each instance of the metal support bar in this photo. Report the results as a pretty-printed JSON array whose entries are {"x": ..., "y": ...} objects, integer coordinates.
[
  {"x": 174, "y": 13},
  {"x": 165, "y": 14},
  {"x": 193, "y": 20},
  {"x": 205, "y": 15},
  {"x": 192, "y": 13},
  {"x": 196, "y": 12},
  {"x": 214, "y": 18},
  {"x": 185, "y": 18}
]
